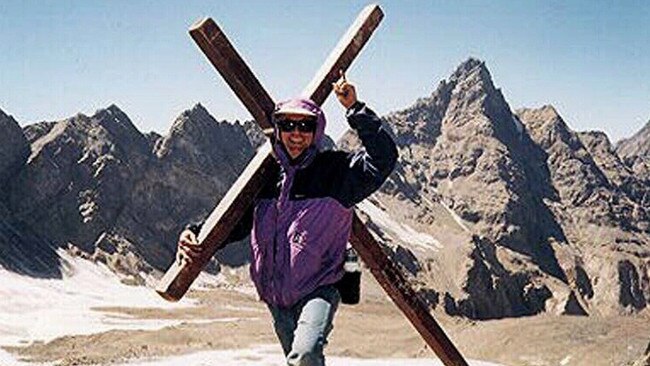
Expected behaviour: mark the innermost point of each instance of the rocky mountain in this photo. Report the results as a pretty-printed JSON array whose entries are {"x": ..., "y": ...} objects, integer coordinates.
[
  {"x": 492, "y": 212},
  {"x": 530, "y": 216},
  {"x": 77, "y": 178},
  {"x": 193, "y": 167},
  {"x": 635, "y": 152},
  {"x": 14, "y": 153},
  {"x": 22, "y": 250},
  {"x": 615, "y": 168},
  {"x": 601, "y": 209},
  {"x": 99, "y": 187}
]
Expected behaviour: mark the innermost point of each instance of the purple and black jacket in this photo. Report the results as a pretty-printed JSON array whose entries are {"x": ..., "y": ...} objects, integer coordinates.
[{"x": 302, "y": 222}]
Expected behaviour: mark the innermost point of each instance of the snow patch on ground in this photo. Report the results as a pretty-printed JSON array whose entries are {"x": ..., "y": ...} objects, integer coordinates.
[
  {"x": 6, "y": 359},
  {"x": 453, "y": 214},
  {"x": 457, "y": 218},
  {"x": 44, "y": 309},
  {"x": 401, "y": 231},
  {"x": 565, "y": 360},
  {"x": 270, "y": 355}
]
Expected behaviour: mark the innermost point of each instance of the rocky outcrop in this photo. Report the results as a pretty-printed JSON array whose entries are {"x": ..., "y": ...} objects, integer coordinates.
[
  {"x": 24, "y": 252},
  {"x": 467, "y": 171},
  {"x": 619, "y": 174},
  {"x": 588, "y": 180},
  {"x": 194, "y": 165},
  {"x": 97, "y": 186},
  {"x": 78, "y": 176},
  {"x": 635, "y": 152},
  {"x": 14, "y": 150},
  {"x": 601, "y": 211},
  {"x": 254, "y": 133},
  {"x": 21, "y": 250},
  {"x": 526, "y": 210}
]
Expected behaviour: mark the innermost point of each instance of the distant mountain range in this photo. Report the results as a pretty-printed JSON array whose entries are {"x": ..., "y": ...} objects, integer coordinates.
[{"x": 506, "y": 213}]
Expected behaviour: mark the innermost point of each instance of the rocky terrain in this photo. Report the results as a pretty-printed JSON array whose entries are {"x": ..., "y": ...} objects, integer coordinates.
[
  {"x": 506, "y": 213},
  {"x": 531, "y": 216},
  {"x": 101, "y": 188},
  {"x": 635, "y": 152}
]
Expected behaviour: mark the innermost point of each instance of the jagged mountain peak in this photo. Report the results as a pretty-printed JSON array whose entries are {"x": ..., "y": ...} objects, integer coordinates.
[
  {"x": 467, "y": 101},
  {"x": 120, "y": 127},
  {"x": 532, "y": 191},
  {"x": 470, "y": 68},
  {"x": 472, "y": 82},
  {"x": 475, "y": 101},
  {"x": 198, "y": 113},
  {"x": 198, "y": 108},
  {"x": 197, "y": 122},
  {"x": 112, "y": 115},
  {"x": 114, "y": 108},
  {"x": 196, "y": 132},
  {"x": 194, "y": 119},
  {"x": 113, "y": 111}
]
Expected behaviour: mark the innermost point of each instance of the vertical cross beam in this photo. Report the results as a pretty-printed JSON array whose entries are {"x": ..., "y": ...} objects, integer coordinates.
[{"x": 240, "y": 78}]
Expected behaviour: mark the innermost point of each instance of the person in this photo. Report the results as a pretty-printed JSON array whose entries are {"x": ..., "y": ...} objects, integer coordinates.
[{"x": 301, "y": 223}]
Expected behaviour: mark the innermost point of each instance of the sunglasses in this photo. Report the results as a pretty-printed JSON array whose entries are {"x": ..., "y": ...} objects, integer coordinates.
[{"x": 305, "y": 126}]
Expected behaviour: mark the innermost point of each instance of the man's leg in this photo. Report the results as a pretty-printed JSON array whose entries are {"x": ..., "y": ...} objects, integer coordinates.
[
  {"x": 284, "y": 323},
  {"x": 314, "y": 323}
]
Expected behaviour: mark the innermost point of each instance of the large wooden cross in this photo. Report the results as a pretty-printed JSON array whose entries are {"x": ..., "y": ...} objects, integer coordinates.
[{"x": 241, "y": 195}]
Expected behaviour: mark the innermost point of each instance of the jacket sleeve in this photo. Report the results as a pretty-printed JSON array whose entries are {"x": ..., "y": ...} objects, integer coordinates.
[
  {"x": 367, "y": 168},
  {"x": 239, "y": 232}
]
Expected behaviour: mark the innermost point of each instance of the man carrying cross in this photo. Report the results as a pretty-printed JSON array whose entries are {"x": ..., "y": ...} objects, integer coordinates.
[{"x": 302, "y": 221}]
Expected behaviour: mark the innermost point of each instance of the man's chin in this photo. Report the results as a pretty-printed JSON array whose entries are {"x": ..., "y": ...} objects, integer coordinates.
[{"x": 295, "y": 152}]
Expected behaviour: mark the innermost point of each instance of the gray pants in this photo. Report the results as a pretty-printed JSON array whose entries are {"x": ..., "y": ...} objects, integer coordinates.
[{"x": 304, "y": 327}]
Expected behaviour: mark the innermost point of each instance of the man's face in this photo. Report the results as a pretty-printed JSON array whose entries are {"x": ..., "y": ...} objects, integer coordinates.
[{"x": 293, "y": 133}]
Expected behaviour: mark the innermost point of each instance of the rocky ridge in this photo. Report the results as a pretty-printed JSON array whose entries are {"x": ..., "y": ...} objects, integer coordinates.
[
  {"x": 99, "y": 187},
  {"x": 492, "y": 212},
  {"x": 635, "y": 152},
  {"x": 22, "y": 250},
  {"x": 531, "y": 216}
]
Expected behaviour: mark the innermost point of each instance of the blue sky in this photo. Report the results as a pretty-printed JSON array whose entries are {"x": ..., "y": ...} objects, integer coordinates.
[{"x": 590, "y": 59}]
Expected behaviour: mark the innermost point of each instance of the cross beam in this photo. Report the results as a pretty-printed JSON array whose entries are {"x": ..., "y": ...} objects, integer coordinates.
[{"x": 240, "y": 197}]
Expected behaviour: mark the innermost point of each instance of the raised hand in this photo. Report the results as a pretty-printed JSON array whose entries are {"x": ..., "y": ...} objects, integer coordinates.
[{"x": 345, "y": 92}]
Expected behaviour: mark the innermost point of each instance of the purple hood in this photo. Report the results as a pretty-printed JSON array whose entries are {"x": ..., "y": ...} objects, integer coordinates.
[{"x": 307, "y": 156}]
